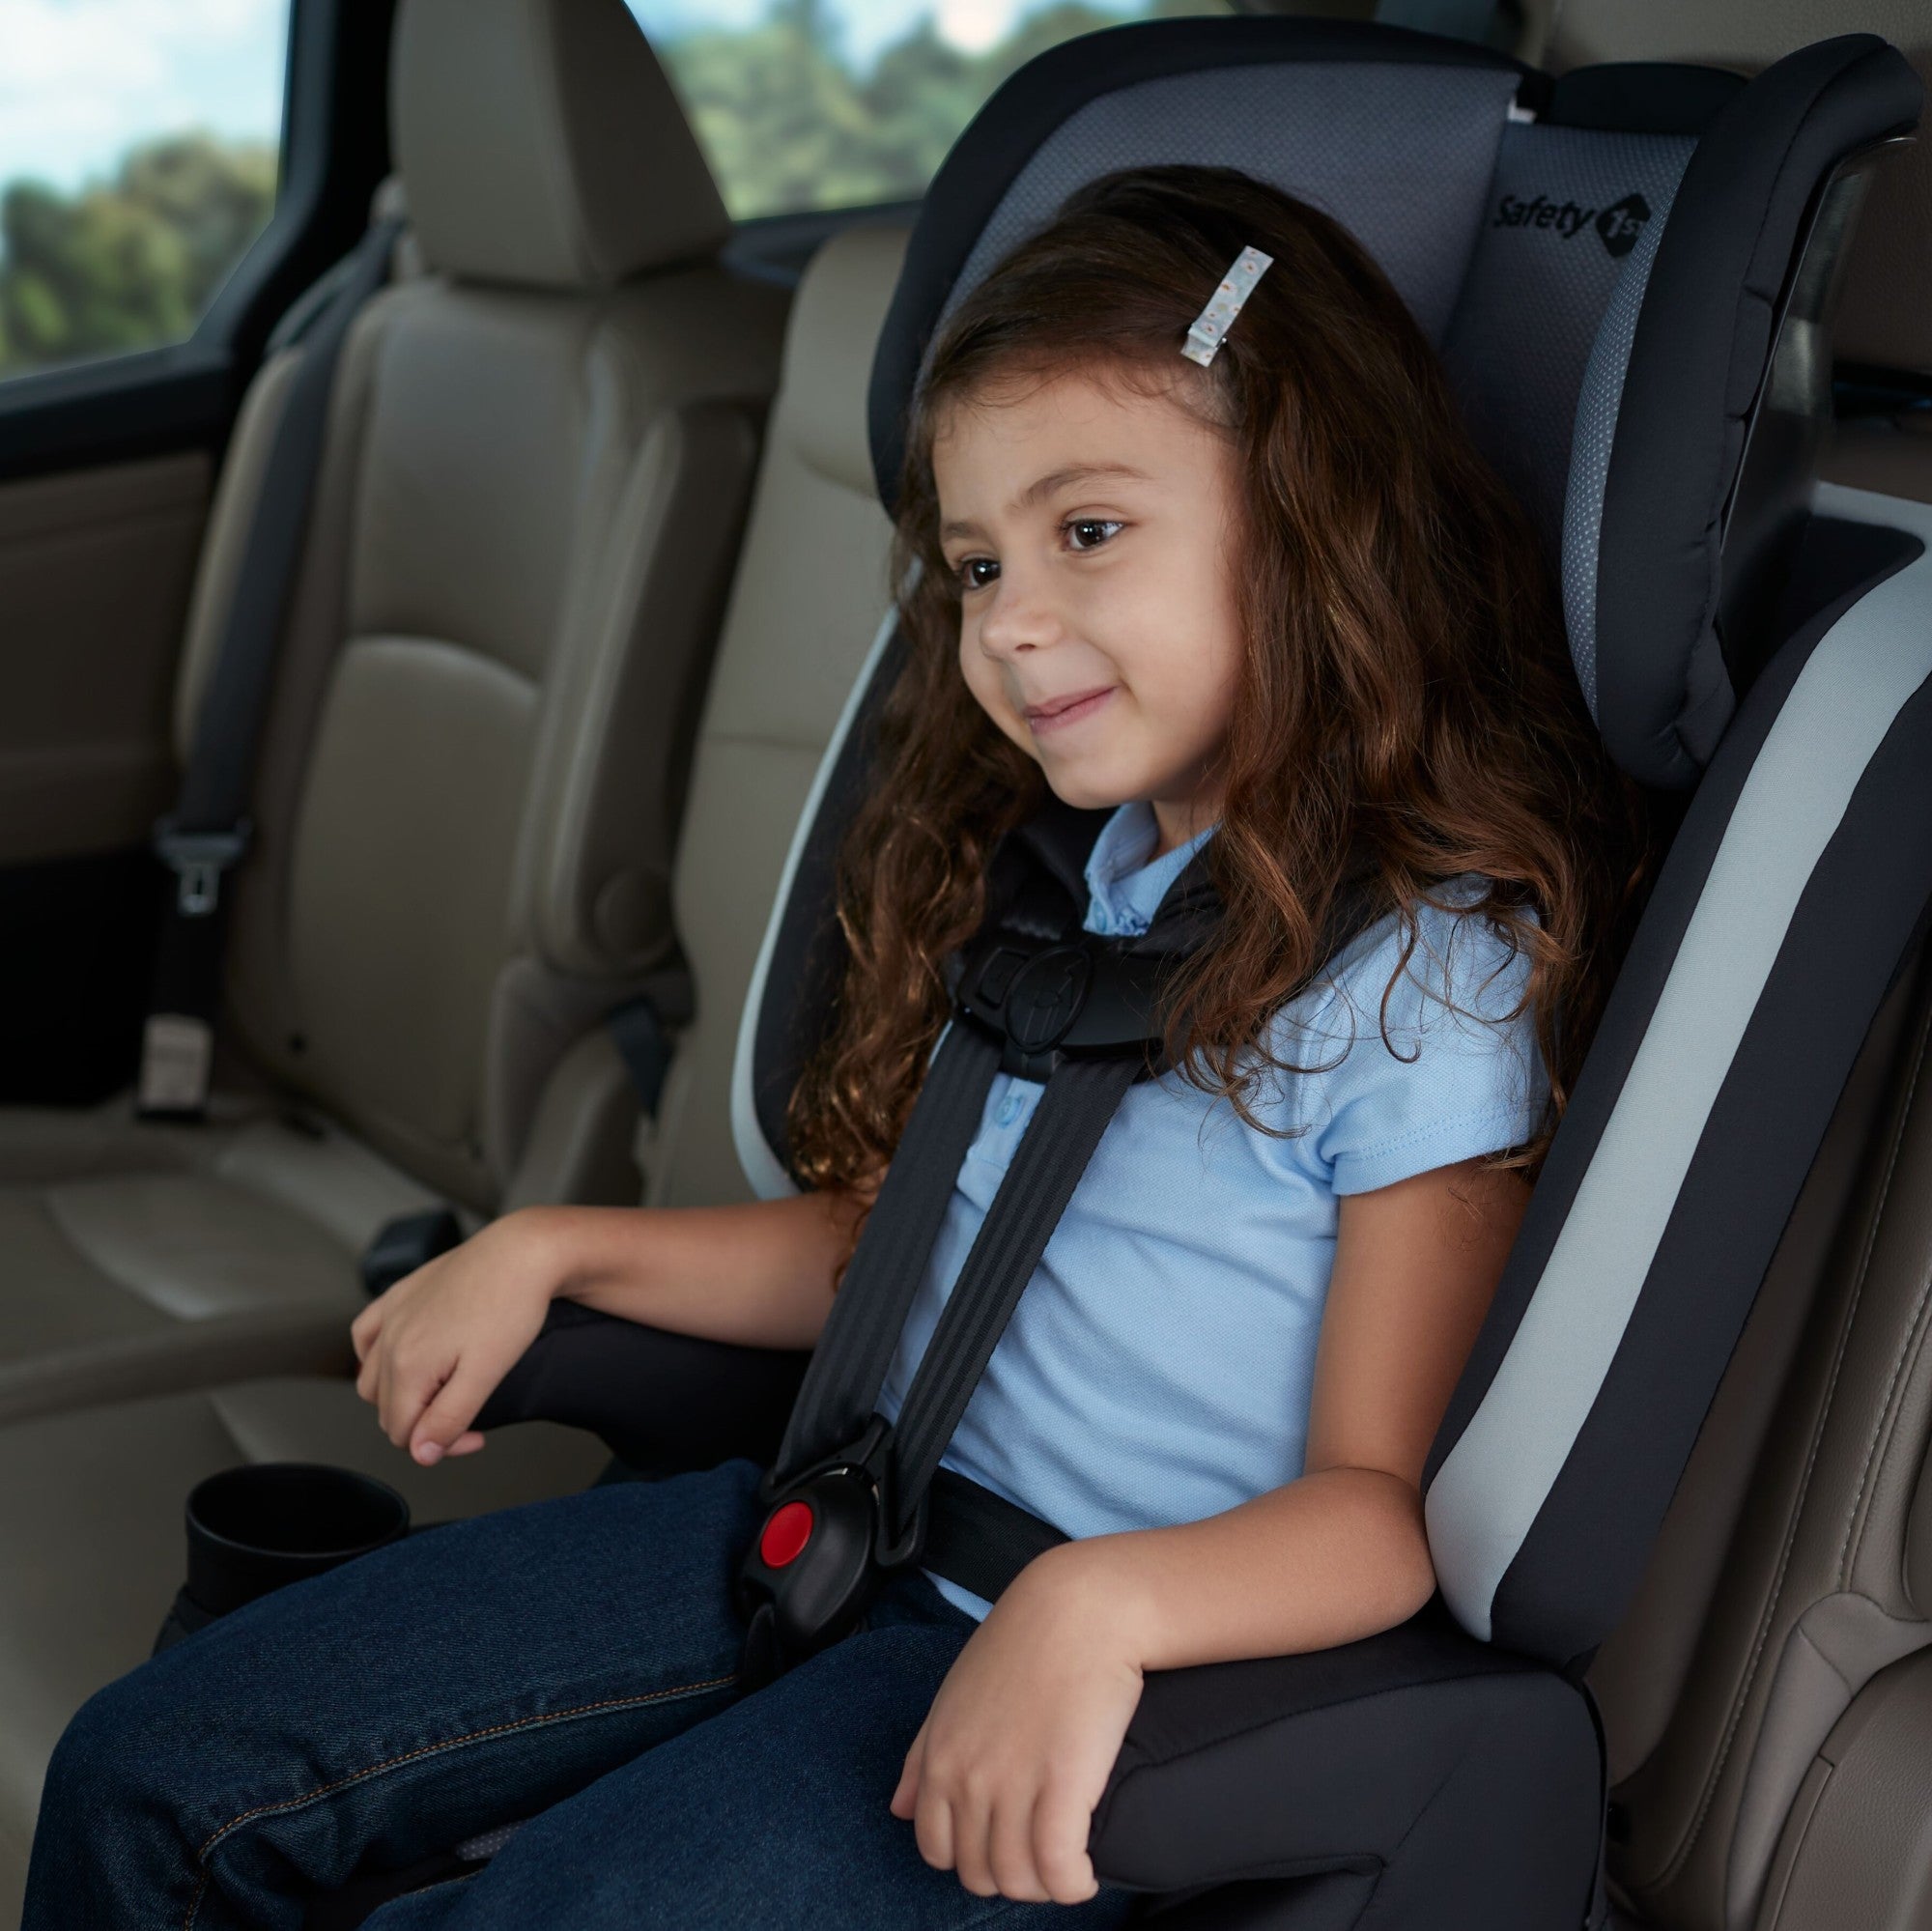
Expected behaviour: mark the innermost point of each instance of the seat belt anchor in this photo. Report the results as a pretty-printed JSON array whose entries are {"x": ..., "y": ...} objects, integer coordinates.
[{"x": 198, "y": 860}]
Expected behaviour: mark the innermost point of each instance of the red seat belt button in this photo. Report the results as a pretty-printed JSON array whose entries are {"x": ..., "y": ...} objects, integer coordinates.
[{"x": 786, "y": 1535}]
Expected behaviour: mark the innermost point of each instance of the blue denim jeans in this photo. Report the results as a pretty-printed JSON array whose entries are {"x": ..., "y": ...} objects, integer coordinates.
[{"x": 572, "y": 1663}]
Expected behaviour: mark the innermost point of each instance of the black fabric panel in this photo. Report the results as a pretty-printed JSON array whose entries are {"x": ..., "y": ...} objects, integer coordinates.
[
  {"x": 76, "y": 947},
  {"x": 660, "y": 1401},
  {"x": 1584, "y": 1557},
  {"x": 1461, "y": 1778},
  {"x": 1005, "y": 134},
  {"x": 809, "y": 956},
  {"x": 1641, "y": 97},
  {"x": 1638, "y": 985},
  {"x": 1695, "y": 366}
]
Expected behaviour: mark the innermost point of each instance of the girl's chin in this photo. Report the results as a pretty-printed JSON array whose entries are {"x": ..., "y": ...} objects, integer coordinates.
[{"x": 1087, "y": 791}]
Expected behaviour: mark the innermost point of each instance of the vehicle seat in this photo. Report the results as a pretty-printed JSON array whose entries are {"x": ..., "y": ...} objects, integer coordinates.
[
  {"x": 541, "y": 444},
  {"x": 89, "y": 1501}
]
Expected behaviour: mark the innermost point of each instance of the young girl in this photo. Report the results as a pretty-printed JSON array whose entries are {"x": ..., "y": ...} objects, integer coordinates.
[{"x": 1271, "y": 607}]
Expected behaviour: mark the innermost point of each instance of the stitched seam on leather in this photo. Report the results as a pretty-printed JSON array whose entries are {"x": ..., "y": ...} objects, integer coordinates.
[
  {"x": 1882, "y": 1427},
  {"x": 541, "y": 1721},
  {"x": 1864, "y": 1267},
  {"x": 1774, "y": 1596}
]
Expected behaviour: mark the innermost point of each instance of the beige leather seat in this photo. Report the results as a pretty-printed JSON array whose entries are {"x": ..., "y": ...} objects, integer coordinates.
[
  {"x": 89, "y": 1501},
  {"x": 542, "y": 443}
]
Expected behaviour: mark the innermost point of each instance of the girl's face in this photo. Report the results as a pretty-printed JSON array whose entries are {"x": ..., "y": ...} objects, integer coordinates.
[{"x": 1094, "y": 531}]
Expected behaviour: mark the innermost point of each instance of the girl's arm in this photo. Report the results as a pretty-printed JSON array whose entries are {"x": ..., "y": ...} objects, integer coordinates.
[
  {"x": 434, "y": 1346},
  {"x": 1342, "y": 1553},
  {"x": 1003, "y": 1778}
]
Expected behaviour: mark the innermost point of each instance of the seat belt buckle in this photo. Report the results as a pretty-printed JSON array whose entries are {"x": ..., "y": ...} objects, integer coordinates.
[
  {"x": 198, "y": 861},
  {"x": 177, "y": 1066},
  {"x": 821, "y": 1555}
]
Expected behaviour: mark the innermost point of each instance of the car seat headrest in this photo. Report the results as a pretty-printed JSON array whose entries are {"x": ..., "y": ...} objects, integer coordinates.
[
  {"x": 541, "y": 145},
  {"x": 1705, "y": 404},
  {"x": 1523, "y": 221}
]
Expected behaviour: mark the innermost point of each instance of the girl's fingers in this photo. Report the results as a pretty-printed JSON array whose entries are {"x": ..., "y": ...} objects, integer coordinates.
[
  {"x": 905, "y": 1799},
  {"x": 1062, "y": 1822},
  {"x": 932, "y": 1826},
  {"x": 365, "y": 1379},
  {"x": 466, "y": 1443},
  {"x": 448, "y": 1413},
  {"x": 1009, "y": 1849},
  {"x": 972, "y": 1830}
]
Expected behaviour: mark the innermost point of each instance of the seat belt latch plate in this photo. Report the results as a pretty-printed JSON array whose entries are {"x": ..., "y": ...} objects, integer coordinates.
[{"x": 198, "y": 860}]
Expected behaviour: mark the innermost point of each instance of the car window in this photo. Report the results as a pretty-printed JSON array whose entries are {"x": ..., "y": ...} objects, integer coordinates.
[
  {"x": 139, "y": 150},
  {"x": 837, "y": 104}
]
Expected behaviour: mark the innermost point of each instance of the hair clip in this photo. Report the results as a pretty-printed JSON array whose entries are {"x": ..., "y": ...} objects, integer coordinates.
[{"x": 1209, "y": 329}]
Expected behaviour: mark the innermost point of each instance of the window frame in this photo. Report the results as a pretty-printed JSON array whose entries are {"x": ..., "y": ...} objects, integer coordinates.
[{"x": 334, "y": 151}]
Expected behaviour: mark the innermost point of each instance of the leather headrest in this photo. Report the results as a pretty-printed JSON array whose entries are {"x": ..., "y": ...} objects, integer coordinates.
[
  {"x": 540, "y": 144},
  {"x": 836, "y": 320}
]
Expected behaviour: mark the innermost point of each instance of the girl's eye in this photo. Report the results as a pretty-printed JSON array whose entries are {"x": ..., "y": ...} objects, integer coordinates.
[
  {"x": 977, "y": 572},
  {"x": 1090, "y": 532}
]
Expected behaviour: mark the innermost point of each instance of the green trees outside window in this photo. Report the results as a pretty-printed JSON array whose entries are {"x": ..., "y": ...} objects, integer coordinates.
[
  {"x": 131, "y": 261},
  {"x": 790, "y": 122}
]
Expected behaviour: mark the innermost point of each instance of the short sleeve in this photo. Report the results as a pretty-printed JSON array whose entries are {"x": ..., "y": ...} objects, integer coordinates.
[{"x": 1435, "y": 1067}]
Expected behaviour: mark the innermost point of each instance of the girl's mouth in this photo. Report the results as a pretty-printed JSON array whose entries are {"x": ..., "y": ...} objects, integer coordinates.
[{"x": 1057, "y": 713}]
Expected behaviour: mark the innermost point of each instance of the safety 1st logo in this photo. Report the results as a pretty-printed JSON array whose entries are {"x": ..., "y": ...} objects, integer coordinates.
[{"x": 1616, "y": 226}]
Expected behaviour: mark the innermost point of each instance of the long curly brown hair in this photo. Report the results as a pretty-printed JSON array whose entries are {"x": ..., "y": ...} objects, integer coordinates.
[{"x": 1407, "y": 712}]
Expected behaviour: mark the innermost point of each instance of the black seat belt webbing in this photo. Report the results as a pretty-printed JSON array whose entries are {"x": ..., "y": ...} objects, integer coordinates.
[
  {"x": 1081, "y": 1097},
  {"x": 206, "y": 833},
  {"x": 978, "y": 1539},
  {"x": 855, "y": 1350},
  {"x": 645, "y": 1030}
]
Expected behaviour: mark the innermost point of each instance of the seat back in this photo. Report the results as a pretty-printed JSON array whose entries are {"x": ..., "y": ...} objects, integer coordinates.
[
  {"x": 803, "y": 606},
  {"x": 540, "y": 448}
]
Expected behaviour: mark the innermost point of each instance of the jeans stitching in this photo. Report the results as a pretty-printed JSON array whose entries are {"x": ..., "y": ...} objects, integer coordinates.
[{"x": 426, "y": 1750}]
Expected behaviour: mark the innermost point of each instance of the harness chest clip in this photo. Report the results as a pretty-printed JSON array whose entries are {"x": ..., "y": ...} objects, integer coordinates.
[{"x": 821, "y": 1555}]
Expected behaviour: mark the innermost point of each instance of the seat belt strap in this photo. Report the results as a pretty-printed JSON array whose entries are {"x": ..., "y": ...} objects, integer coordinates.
[
  {"x": 645, "y": 1030},
  {"x": 206, "y": 833},
  {"x": 855, "y": 1350},
  {"x": 979, "y": 1540},
  {"x": 1081, "y": 1097}
]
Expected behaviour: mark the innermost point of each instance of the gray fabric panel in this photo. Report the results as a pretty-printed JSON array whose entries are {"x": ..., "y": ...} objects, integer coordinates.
[
  {"x": 1595, "y": 424},
  {"x": 1489, "y": 1490},
  {"x": 1565, "y": 210},
  {"x": 1400, "y": 154}
]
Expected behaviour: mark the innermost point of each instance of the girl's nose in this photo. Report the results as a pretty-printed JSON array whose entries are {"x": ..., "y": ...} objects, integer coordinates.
[{"x": 1018, "y": 618}]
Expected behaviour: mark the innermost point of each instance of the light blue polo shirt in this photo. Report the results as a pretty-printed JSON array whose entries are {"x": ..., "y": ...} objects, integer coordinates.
[{"x": 1160, "y": 1364}]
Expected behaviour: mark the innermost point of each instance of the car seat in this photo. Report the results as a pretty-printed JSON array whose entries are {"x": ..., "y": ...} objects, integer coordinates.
[
  {"x": 1657, "y": 395},
  {"x": 541, "y": 444}
]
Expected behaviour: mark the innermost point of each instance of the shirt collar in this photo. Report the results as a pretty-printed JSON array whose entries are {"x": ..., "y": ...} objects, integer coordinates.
[{"x": 1125, "y": 886}]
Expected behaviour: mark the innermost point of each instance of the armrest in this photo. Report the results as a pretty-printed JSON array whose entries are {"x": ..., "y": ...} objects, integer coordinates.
[
  {"x": 1451, "y": 1780},
  {"x": 660, "y": 1401},
  {"x": 1459, "y": 1781}
]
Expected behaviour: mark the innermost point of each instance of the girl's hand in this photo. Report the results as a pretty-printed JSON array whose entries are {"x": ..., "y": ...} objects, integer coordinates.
[
  {"x": 1001, "y": 1781},
  {"x": 437, "y": 1342}
]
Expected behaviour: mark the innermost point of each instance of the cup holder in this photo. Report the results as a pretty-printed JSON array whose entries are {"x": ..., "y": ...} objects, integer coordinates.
[{"x": 251, "y": 1530}]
